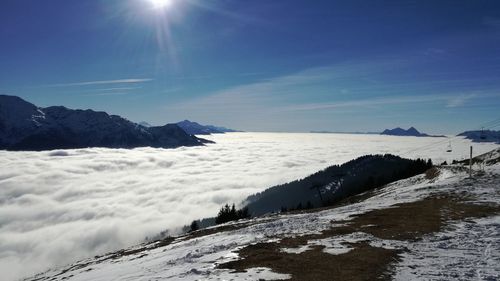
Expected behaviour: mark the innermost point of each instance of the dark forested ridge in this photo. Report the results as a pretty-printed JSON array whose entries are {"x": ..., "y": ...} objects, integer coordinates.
[
  {"x": 336, "y": 182},
  {"x": 321, "y": 189}
]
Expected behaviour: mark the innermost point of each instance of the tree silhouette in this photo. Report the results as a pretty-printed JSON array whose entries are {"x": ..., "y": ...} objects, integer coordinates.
[
  {"x": 318, "y": 188},
  {"x": 194, "y": 226},
  {"x": 228, "y": 213}
]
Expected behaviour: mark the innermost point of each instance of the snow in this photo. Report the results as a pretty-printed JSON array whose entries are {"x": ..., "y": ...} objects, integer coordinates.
[
  {"x": 258, "y": 273},
  {"x": 334, "y": 246},
  {"x": 194, "y": 259},
  {"x": 464, "y": 250},
  {"x": 469, "y": 251},
  {"x": 297, "y": 250},
  {"x": 340, "y": 244}
]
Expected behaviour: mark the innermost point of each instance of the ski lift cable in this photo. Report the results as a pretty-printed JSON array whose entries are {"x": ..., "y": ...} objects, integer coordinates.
[
  {"x": 434, "y": 144},
  {"x": 485, "y": 124},
  {"x": 490, "y": 125},
  {"x": 493, "y": 123}
]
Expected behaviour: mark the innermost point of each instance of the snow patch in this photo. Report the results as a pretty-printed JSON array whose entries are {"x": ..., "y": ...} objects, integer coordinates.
[
  {"x": 469, "y": 251},
  {"x": 297, "y": 250}
]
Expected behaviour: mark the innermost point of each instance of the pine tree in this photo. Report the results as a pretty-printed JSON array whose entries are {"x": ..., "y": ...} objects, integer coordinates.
[
  {"x": 194, "y": 226},
  {"x": 228, "y": 213}
]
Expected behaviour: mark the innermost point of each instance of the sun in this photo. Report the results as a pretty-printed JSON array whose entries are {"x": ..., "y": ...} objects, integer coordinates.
[{"x": 161, "y": 4}]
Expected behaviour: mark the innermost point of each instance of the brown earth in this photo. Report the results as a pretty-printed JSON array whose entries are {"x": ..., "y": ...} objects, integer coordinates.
[
  {"x": 317, "y": 265},
  {"x": 405, "y": 222}
]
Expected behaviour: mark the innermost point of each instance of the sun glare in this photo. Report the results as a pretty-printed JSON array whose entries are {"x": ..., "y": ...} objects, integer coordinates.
[{"x": 161, "y": 4}]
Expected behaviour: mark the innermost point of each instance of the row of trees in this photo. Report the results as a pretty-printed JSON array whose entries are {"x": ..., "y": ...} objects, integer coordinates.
[
  {"x": 377, "y": 180},
  {"x": 230, "y": 213},
  {"x": 227, "y": 213}
]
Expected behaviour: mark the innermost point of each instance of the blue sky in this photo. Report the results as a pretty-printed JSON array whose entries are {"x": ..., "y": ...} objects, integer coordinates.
[{"x": 261, "y": 65}]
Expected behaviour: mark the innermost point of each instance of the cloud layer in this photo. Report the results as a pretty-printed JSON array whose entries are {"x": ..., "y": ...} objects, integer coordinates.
[{"x": 60, "y": 206}]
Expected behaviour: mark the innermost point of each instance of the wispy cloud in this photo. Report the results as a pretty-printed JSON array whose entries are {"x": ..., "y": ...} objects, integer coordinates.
[
  {"x": 434, "y": 52},
  {"x": 379, "y": 101},
  {"x": 103, "y": 82},
  {"x": 110, "y": 94},
  {"x": 212, "y": 76},
  {"x": 292, "y": 91},
  {"x": 353, "y": 87},
  {"x": 116, "y": 89},
  {"x": 249, "y": 100},
  {"x": 460, "y": 100},
  {"x": 493, "y": 22}
]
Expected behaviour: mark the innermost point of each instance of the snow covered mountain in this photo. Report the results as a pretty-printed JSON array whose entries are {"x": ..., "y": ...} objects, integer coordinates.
[
  {"x": 194, "y": 128},
  {"x": 24, "y": 126},
  {"x": 441, "y": 225}
]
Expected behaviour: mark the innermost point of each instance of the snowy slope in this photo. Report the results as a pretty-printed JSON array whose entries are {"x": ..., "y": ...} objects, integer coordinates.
[
  {"x": 23, "y": 126},
  {"x": 455, "y": 253}
]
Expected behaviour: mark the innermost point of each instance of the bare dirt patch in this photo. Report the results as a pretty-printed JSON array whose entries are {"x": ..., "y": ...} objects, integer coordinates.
[
  {"x": 411, "y": 221},
  {"x": 317, "y": 265},
  {"x": 405, "y": 222}
]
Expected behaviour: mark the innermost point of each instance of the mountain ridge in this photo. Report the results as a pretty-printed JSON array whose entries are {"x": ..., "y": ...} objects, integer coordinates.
[
  {"x": 24, "y": 126},
  {"x": 194, "y": 128},
  {"x": 411, "y": 132},
  {"x": 402, "y": 132}
]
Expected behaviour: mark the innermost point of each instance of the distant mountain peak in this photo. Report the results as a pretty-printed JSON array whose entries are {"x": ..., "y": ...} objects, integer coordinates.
[
  {"x": 402, "y": 132},
  {"x": 194, "y": 128}
]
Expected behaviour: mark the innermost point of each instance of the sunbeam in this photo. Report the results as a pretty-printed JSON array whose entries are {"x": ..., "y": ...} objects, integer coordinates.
[{"x": 162, "y": 4}]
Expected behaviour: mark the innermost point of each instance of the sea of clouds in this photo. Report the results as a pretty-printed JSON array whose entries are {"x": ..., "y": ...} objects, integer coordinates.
[{"x": 60, "y": 206}]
